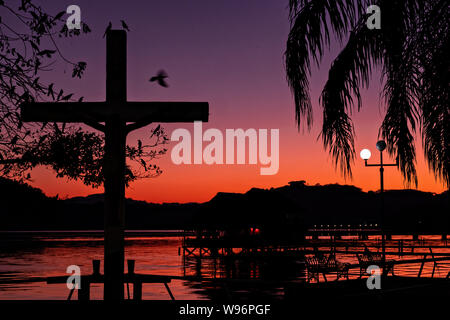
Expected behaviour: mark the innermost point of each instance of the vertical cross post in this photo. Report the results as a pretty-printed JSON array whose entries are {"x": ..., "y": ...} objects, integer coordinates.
[
  {"x": 115, "y": 113},
  {"x": 114, "y": 166}
]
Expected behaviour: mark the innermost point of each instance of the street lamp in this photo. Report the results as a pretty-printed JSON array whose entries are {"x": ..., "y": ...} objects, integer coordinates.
[{"x": 365, "y": 155}]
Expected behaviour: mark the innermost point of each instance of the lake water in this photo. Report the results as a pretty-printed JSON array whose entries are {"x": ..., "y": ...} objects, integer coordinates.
[{"x": 42, "y": 254}]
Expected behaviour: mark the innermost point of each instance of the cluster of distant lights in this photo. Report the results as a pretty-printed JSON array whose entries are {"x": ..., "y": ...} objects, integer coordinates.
[
  {"x": 365, "y": 155},
  {"x": 365, "y": 225}
]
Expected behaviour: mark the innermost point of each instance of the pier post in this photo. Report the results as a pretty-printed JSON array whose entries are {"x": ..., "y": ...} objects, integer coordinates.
[
  {"x": 84, "y": 294},
  {"x": 137, "y": 290},
  {"x": 96, "y": 267}
]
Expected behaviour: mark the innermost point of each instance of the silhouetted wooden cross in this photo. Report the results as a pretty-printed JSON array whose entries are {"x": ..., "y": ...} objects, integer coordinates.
[{"x": 115, "y": 113}]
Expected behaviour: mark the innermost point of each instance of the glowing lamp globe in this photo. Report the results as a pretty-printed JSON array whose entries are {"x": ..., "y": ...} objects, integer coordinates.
[{"x": 365, "y": 154}]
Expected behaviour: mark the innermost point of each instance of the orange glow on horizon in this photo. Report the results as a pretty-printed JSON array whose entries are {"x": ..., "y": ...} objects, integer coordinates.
[{"x": 199, "y": 183}]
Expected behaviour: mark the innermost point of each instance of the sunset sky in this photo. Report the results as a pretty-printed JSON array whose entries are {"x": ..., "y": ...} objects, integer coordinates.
[{"x": 230, "y": 54}]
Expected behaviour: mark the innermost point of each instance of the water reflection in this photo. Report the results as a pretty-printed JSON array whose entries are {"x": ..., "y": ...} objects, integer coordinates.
[{"x": 23, "y": 256}]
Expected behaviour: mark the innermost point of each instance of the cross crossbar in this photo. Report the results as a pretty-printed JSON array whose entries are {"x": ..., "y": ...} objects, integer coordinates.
[{"x": 127, "y": 111}]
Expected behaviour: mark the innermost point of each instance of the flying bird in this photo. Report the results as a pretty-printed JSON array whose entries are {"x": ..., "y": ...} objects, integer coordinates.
[
  {"x": 125, "y": 26},
  {"x": 108, "y": 29},
  {"x": 160, "y": 78}
]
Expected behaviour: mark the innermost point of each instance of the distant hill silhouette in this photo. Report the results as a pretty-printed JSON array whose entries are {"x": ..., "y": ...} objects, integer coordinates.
[{"x": 25, "y": 208}]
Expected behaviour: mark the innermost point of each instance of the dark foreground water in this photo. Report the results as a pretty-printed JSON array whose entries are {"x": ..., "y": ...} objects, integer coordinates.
[{"x": 43, "y": 254}]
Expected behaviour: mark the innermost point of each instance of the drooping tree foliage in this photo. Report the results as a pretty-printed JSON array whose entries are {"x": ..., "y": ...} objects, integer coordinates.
[
  {"x": 412, "y": 50},
  {"x": 29, "y": 37}
]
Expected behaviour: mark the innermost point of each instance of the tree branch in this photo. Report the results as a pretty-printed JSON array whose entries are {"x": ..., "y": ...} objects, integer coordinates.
[
  {"x": 137, "y": 125},
  {"x": 12, "y": 161},
  {"x": 95, "y": 125}
]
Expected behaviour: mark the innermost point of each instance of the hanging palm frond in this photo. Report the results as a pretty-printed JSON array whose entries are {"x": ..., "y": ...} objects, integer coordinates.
[{"x": 412, "y": 49}]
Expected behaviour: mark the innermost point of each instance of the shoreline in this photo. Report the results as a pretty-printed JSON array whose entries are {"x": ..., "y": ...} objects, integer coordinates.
[{"x": 76, "y": 233}]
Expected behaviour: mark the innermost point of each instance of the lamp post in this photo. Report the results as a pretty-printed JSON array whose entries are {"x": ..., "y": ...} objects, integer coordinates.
[{"x": 365, "y": 155}]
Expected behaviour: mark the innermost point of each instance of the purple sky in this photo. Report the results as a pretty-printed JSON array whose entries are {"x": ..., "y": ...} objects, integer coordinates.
[{"x": 229, "y": 53}]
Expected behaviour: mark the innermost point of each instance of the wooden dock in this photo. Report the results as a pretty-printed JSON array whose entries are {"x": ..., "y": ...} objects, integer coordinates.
[
  {"x": 214, "y": 247},
  {"x": 392, "y": 287},
  {"x": 129, "y": 278}
]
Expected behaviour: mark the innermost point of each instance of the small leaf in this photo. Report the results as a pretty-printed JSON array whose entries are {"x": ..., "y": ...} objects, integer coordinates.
[
  {"x": 56, "y": 128},
  {"x": 59, "y": 15},
  {"x": 144, "y": 164},
  {"x": 34, "y": 46},
  {"x": 67, "y": 98},
  {"x": 14, "y": 140},
  {"x": 47, "y": 53}
]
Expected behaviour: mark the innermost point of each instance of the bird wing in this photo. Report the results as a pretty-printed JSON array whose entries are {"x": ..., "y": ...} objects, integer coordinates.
[
  {"x": 162, "y": 83},
  {"x": 162, "y": 73}
]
